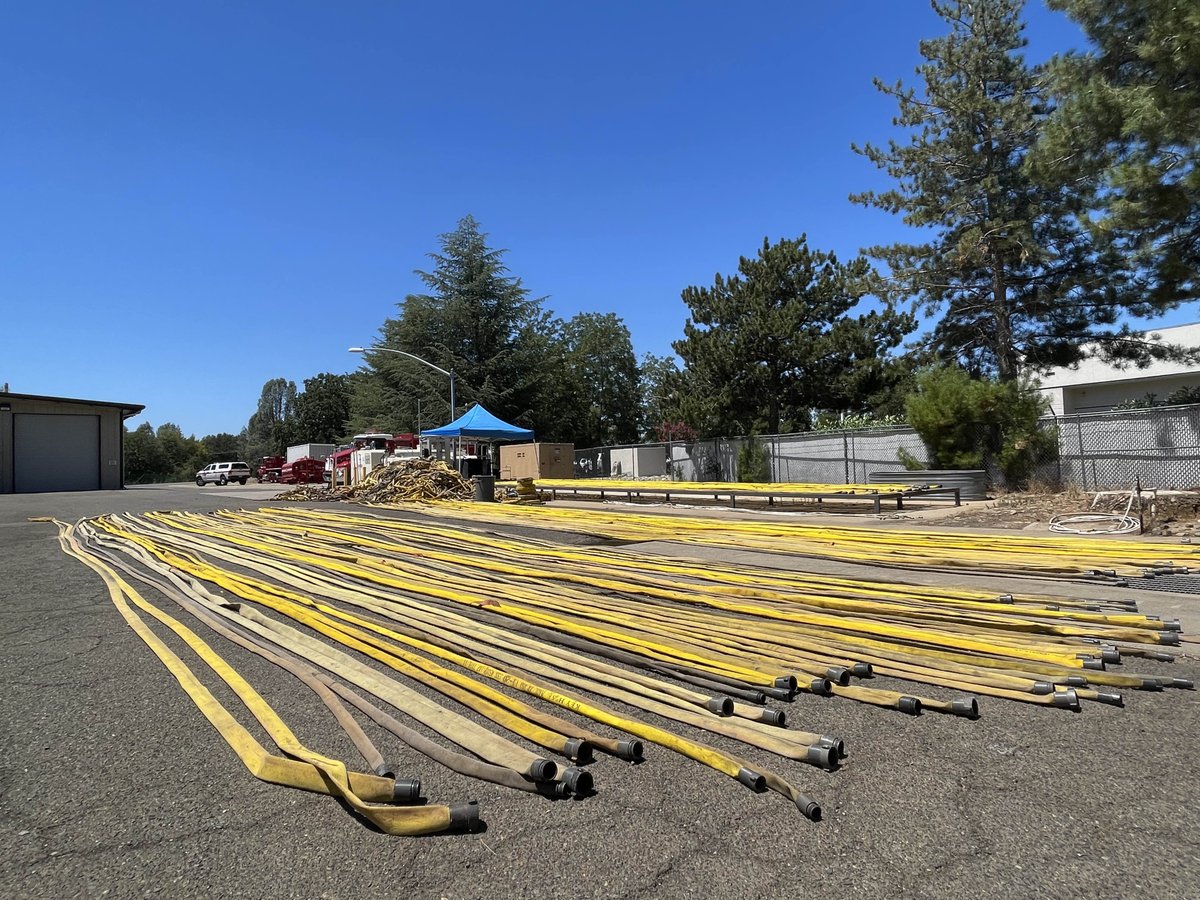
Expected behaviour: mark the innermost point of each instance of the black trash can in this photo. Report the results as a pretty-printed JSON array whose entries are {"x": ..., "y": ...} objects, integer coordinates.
[{"x": 485, "y": 488}]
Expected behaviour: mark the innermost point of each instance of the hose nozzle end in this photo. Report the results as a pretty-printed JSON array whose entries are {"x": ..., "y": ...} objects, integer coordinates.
[
  {"x": 787, "y": 682},
  {"x": 967, "y": 707},
  {"x": 1171, "y": 625},
  {"x": 776, "y": 717},
  {"x": 821, "y": 686},
  {"x": 407, "y": 790},
  {"x": 578, "y": 750},
  {"x": 578, "y": 781},
  {"x": 822, "y": 757},
  {"x": 1184, "y": 683},
  {"x": 810, "y": 808},
  {"x": 862, "y": 670},
  {"x": 834, "y": 743},
  {"x": 543, "y": 769},
  {"x": 839, "y": 675},
  {"x": 910, "y": 705},
  {"x": 631, "y": 751},
  {"x": 1067, "y": 699},
  {"x": 722, "y": 706},
  {"x": 752, "y": 779},
  {"x": 1111, "y": 697},
  {"x": 465, "y": 816}
]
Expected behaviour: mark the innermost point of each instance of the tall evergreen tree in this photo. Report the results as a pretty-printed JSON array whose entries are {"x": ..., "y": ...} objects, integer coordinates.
[
  {"x": 1128, "y": 124},
  {"x": 1017, "y": 280},
  {"x": 765, "y": 347},
  {"x": 477, "y": 321},
  {"x": 605, "y": 371},
  {"x": 323, "y": 409}
]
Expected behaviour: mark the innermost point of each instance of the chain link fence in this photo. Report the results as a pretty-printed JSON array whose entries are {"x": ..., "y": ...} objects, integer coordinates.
[{"x": 1096, "y": 451}]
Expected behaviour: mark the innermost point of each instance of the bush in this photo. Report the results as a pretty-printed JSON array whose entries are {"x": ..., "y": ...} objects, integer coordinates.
[
  {"x": 752, "y": 462},
  {"x": 964, "y": 422}
]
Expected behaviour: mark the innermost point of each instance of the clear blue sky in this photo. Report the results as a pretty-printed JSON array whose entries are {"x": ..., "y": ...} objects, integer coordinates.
[{"x": 199, "y": 197}]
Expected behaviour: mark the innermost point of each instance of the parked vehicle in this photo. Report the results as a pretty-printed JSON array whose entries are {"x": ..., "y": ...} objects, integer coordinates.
[
  {"x": 303, "y": 471},
  {"x": 223, "y": 473},
  {"x": 269, "y": 469}
]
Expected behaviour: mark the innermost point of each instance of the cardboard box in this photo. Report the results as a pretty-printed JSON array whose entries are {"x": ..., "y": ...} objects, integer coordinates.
[{"x": 537, "y": 461}]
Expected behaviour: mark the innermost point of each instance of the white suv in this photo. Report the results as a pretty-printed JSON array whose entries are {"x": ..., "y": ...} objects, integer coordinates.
[{"x": 223, "y": 473}]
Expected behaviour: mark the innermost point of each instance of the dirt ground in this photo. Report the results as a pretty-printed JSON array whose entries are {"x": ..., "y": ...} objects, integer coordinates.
[{"x": 1166, "y": 513}]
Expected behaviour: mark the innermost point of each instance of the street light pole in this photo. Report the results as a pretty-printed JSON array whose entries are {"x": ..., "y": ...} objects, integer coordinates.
[{"x": 450, "y": 374}]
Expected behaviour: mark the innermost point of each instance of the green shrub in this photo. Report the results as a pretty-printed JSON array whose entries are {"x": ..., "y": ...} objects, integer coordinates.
[
  {"x": 752, "y": 462},
  {"x": 965, "y": 421}
]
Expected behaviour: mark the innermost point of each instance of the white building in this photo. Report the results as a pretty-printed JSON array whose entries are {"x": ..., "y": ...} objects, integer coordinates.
[{"x": 1096, "y": 386}]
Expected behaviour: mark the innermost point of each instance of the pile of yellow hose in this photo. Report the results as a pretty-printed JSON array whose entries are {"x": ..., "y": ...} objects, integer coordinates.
[
  {"x": 510, "y": 628},
  {"x": 1040, "y": 555},
  {"x": 720, "y": 487}
]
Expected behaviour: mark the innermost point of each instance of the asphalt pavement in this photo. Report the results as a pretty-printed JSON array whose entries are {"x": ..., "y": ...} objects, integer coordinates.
[{"x": 112, "y": 784}]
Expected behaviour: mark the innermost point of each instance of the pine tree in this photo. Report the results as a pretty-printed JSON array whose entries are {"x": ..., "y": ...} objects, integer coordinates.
[
  {"x": 1128, "y": 124},
  {"x": 765, "y": 347},
  {"x": 1017, "y": 280},
  {"x": 476, "y": 321}
]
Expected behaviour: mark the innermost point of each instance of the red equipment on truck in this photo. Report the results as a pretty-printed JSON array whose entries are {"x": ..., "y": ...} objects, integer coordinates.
[
  {"x": 269, "y": 469},
  {"x": 305, "y": 470}
]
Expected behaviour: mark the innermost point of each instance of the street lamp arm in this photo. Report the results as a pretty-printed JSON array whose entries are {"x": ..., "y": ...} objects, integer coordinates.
[
  {"x": 402, "y": 353},
  {"x": 424, "y": 362}
]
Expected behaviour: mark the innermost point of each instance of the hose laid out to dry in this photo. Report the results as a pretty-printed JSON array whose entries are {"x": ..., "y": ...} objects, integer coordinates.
[
  {"x": 305, "y": 769},
  {"x": 1005, "y": 554}
]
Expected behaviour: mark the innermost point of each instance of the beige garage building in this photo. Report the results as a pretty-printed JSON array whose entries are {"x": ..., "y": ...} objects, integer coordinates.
[{"x": 61, "y": 444}]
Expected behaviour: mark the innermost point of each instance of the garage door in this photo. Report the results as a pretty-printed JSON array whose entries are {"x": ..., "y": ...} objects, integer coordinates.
[{"x": 55, "y": 453}]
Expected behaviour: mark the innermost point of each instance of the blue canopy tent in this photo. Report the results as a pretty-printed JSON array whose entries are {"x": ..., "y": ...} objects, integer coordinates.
[{"x": 479, "y": 426}]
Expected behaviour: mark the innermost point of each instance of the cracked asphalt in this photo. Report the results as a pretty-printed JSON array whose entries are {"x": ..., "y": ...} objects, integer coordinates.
[{"x": 113, "y": 785}]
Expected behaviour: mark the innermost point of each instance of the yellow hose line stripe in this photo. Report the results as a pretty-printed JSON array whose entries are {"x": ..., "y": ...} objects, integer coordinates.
[{"x": 308, "y": 770}]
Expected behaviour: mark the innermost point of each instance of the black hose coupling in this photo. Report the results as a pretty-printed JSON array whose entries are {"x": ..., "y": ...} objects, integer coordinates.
[
  {"x": 1090, "y": 662},
  {"x": 834, "y": 743},
  {"x": 630, "y": 751},
  {"x": 1169, "y": 638},
  {"x": 543, "y": 769},
  {"x": 578, "y": 781},
  {"x": 1171, "y": 625},
  {"x": 752, "y": 780},
  {"x": 810, "y": 808},
  {"x": 578, "y": 750},
  {"x": 1005, "y": 598},
  {"x": 465, "y": 816},
  {"x": 385, "y": 770},
  {"x": 1067, "y": 699},
  {"x": 967, "y": 707},
  {"x": 839, "y": 675},
  {"x": 910, "y": 705},
  {"x": 1184, "y": 683},
  {"x": 821, "y": 686},
  {"x": 822, "y": 757},
  {"x": 787, "y": 682},
  {"x": 1042, "y": 687},
  {"x": 1075, "y": 681},
  {"x": 722, "y": 706},
  {"x": 779, "y": 694},
  {"x": 1151, "y": 684},
  {"x": 407, "y": 790},
  {"x": 1110, "y": 654},
  {"x": 776, "y": 717},
  {"x": 862, "y": 670},
  {"x": 1113, "y": 698}
]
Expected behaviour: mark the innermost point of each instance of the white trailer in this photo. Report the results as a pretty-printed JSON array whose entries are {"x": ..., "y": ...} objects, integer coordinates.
[{"x": 312, "y": 451}]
